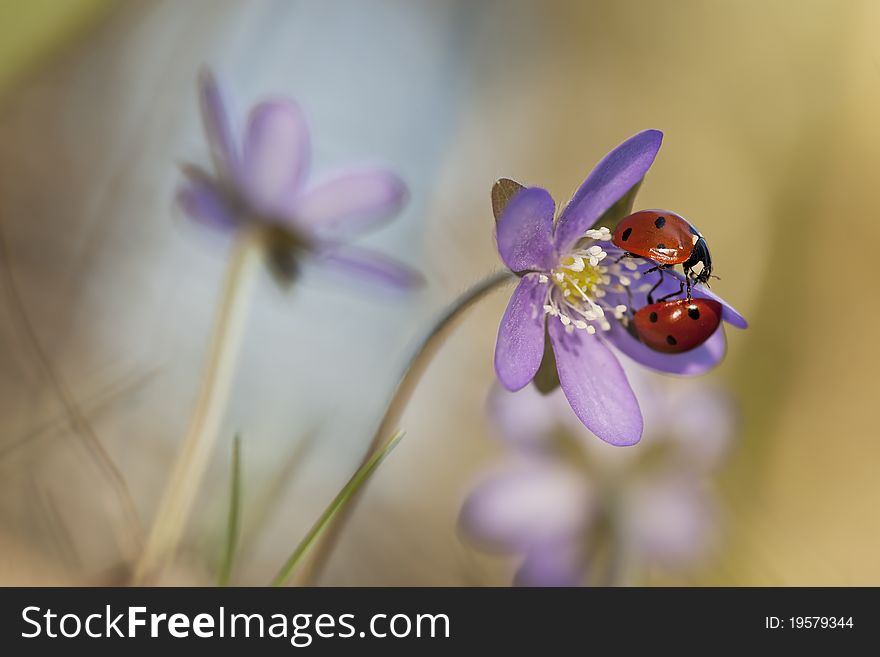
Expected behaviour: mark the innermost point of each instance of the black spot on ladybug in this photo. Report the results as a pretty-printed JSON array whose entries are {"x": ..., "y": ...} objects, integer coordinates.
[
  {"x": 625, "y": 236},
  {"x": 661, "y": 246},
  {"x": 653, "y": 317},
  {"x": 693, "y": 312},
  {"x": 660, "y": 222},
  {"x": 671, "y": 340}
]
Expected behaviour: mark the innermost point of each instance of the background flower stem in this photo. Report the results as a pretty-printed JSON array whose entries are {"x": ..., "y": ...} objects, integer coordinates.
[
  {"x": 233, "y": 524},
  {"x": 412, "y": 373},
  {"x": 195, "y": 451},
  {"x": 337, "y": 506}
]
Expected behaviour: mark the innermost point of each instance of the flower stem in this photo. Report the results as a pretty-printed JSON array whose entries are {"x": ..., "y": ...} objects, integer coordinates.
[
  {"x": 412, "y": 373},
  {"x": 195, "y": 451},
  {"x": 345, "y": 496},
  {"x": 233, "y": 522}
]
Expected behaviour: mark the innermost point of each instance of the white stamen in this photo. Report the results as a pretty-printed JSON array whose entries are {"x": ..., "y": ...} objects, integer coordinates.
[
  {"x": 577, "y": 265},
  {"x": 602, "y": 234}
]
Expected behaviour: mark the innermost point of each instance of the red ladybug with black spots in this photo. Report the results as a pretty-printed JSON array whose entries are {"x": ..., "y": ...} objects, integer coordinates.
[
  {"x": 667, "y": 239},
  {"x": 674, "y": 327}
]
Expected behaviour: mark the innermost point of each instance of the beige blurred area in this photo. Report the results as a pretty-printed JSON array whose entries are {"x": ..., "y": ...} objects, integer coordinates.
[{"x": 772, "y": 147}]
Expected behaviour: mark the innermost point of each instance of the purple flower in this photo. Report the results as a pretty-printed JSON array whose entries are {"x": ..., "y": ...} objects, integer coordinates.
[
  {"x": 566, "y": 501},
  {"x": 576, "y": 289},
  {"x": 263, "y": 179}
]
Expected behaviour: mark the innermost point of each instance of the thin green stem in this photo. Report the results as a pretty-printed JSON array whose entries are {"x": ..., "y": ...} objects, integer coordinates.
[
  {"x": 233, "y": 525},
  {"x": 412, "y": 374},
  {"x": 344, "y": 497}
]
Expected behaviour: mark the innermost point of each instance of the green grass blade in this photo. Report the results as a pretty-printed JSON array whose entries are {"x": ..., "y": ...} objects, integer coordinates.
[
  {"x": 233, "y": 526},
  {"x": 354, "y": 484}
]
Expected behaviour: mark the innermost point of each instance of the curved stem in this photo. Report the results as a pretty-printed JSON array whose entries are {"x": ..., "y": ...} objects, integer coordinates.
[
  {"x": 412, "y": 373},
  {"x": 195, "y": 451},
  {"x": 338, "y": 505}
]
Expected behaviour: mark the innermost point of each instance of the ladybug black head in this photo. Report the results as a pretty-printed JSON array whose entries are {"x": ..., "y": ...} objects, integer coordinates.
[{"x": 700, "y": 254}]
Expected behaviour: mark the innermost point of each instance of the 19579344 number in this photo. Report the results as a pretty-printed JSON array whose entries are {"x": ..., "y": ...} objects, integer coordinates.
[{"x": 808, "y": 622}]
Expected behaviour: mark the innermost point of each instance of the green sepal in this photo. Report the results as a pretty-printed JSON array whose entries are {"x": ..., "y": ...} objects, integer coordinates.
[{"x": 547, "y": 378}]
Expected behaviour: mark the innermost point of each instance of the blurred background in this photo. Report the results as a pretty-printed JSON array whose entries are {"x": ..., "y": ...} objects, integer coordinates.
[{"x": 772, "y": 148}]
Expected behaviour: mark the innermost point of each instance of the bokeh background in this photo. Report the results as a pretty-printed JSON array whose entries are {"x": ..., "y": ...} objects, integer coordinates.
[{"x": 772, "y": 147}]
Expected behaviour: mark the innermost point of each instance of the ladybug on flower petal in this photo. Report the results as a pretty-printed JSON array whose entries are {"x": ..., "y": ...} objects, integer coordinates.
[
  {"x": 667, "y": 239},
  {"x": 677, "y": 326}
]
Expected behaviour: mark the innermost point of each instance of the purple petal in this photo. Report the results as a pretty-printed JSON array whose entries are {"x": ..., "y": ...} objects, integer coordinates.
[
  {"x": 690, "y": 363},
  {"x": 276, "y": 156},
  {"x": 520, "y": 344},
  {"x": 374, "y": 267},
  {"x": 596, "y": 386},
  {"x": 669, "y": 520},
  {"x": 218, "y": 127},
  {"x": 610, "y": 180},
  {"x": 355, "y": 200},
  {"x": 559, "y": 563},
  {"x": 728, "y": 313},
  {"x": 528, "y": 503},
  {"x": 202, "y": 200},
  {"x": 524, "y": 231}
]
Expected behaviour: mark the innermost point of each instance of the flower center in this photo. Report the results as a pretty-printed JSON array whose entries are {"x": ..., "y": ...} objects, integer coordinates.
[
  {"x": 590, "y": 283},
  {"x": 575, "y": 275}
]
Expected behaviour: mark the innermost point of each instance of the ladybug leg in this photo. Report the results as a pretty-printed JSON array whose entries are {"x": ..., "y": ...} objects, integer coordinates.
[
  {"x": 679, "y": 291},
  {"x": 625, "y": 254},
  {"x": 659, "y": 268}
]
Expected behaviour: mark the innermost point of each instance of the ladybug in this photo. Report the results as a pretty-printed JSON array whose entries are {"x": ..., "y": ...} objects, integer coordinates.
[
  {"x": 668, "y": 239},
  {"x": 677, "y": 326}
]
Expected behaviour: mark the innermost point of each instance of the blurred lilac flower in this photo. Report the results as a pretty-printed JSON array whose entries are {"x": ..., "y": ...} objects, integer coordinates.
[
  {"x": 566, "y": 500},
  {"x": 263, "y": 178},
  {"x": 572, "y": 274}
]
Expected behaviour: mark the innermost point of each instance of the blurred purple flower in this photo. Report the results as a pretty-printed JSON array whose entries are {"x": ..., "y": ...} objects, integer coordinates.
[
  {"x": 572, "y": 273},
  {"x": 263, "y": 178},
  {"x": 565, "y": 493}
]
